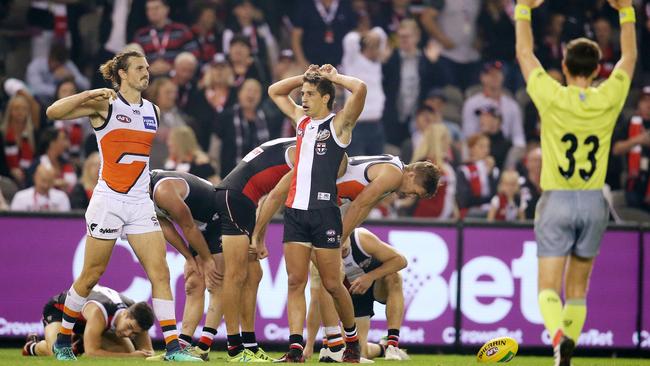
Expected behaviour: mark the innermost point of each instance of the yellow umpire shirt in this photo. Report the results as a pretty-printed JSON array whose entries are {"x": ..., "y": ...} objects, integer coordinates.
[{"x": 576, "y": 128}]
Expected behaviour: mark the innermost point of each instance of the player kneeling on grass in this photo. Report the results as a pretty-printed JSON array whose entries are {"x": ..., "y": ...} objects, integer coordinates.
[
  {"x": 371, "y": 269},
  {"x": 110, "y": 325}
]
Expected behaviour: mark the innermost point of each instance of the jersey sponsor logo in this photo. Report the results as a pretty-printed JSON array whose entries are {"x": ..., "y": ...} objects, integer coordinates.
[
  {"x": 323, "y": 135},
  {"x": 122, "y": 118},
  {"x": 330, "y": 232},
  {"x": 322, "y": 196},
  {"x": 251, "y": 155},
  {"x": 92, "y": 227},
  {"x": 149, "y": 123},
  {"x": 321, "y": 148},
  {"x": 108, "y": 231}
]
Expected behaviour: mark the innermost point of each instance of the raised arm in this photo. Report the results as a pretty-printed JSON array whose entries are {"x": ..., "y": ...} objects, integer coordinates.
[
  {"x": 279, "y": 94},
  {"x": 628, "y": 35},
  {"x": 524, "y": 33},
  {"x": 347, "y": 118},
  {"x": 89, "y": 103}
]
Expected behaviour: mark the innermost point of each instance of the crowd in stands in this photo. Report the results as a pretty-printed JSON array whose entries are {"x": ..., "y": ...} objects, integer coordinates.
[{"x": 443, "y": 85}]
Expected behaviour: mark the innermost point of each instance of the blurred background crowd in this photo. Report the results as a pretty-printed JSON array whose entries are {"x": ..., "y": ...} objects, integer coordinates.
[{"x": 443, "y": 85}]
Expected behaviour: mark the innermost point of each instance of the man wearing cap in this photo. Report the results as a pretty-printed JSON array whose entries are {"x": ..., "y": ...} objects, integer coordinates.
[
  {"x": 632, "y": 140},
  {"x": 493, "y": 93}
]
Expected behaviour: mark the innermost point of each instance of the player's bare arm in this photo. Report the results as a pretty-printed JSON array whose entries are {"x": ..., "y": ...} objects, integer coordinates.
[
  {"x": 279, "y": 94},
  {"x": 174, "y": 238},
  {"x": 142, "y": 342},
  {"x": 90, "y": 103},
  {"x": 628, "y": 40},
  {"x": 524, "y": 44},
  {"x": 385, "y": 178},
  {"x": 95, "y": 326},
  {"x": 269, "y": 207},
  {"x": 346, "y": 119},
  {"x": 392, "y": 261}
]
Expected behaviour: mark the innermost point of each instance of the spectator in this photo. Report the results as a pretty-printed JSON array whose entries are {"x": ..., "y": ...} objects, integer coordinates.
[
  {"x": 83, "y": 190},
  {"x": 477, "y": 179},
  {"x": 42, "y": 196},
  {"x": 163, "y": 39},
  {"x": 244, "y": 64},
  {"x": 183, "y": 73},
  {"x": 185, "y": 155},
  {"x": 17, "y": 137},
  {"x": 530, "y": 186},
  {"x": 319, "y": 28},
  {"x": 407, "y": 73},
  {"x": 490, "y": 124},
  {"x": 551, "y": 47},
  {"x": 163, "y": 92},
  {"x": 390, "y": 18},
  {"x": 205, "y": 32},
  {"x": 437, "y": 100},
  {"x": 507, "y": 205},
  {"x": 425, "y": 117},
  {"x": 243, "y": 127},
  {"x": 44, "y": 73},
  {"x": 78, "y": 129},
  {"x": 493, "y": 94},
  {"x": 362, "y": 56},
  {"x": 610, "y": 50},
  {"x": 632, "y": 140},
  {"x": 3, "y": 203},
  {"x": 286, "y": 64},
  {"x": 50, "y": 24},
  {"x": 249, "y": 22},
  {"x": 644, "y": 38},
  {"x": 53, "y": 145},
  {"x": 434, "y": 146},
  {"x": 455, "y": 29}
]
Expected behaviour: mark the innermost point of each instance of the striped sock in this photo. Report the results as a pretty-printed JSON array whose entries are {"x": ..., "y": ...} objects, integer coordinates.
[
  {"x": 164, "y": 310},
  {"x": 325, "y": 345},
  {"x": 250, "y": 343},
  {"x": 351, "y": 334},
  {"x": 184, "y": 340},
  {"x": 71, "y": 312},
  {"x": 295, "y": 343},
  {"x": 393, "y": 338},
  {"x": 207, "y": 335},
  {"x": 234, "y": 344},
  {"x": 29, "y": 349},
  {"x": 334, "y": 338}
]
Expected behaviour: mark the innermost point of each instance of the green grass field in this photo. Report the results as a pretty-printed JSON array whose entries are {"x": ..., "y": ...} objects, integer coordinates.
[{"x": 13, "y": 357}]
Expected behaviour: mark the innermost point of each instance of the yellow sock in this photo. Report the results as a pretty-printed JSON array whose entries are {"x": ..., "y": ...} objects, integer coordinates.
[
  {"x": 550, "y": 305},
  {"x": 573, "y": 318}
]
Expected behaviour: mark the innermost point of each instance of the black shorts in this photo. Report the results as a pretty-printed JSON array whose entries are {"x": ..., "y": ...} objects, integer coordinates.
[
  {"x": 212, "y": 236},
  {"x": 237, "y": 212},
  {"x": 364, "y": 304},
  {"x": 53, "y": 312},
  {"x": 321, "y": 227}
]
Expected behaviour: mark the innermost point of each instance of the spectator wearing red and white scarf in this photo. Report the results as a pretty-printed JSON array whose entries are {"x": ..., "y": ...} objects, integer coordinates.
[
  {"x": 477, "y": 179},
  {"x": 17, "y": 138}
]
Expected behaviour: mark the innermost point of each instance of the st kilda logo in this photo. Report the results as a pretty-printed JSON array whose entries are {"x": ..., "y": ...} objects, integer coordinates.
[{"x": 122, "y": 118}]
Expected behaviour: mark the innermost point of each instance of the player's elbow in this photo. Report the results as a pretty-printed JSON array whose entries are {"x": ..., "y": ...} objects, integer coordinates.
[
  {"x": 362, "y": 89},
  {"x": 51, "y": 112}
]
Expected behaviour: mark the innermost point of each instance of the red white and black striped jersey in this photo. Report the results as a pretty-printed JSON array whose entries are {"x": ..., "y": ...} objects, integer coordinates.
[
  {"x": 355, "y": 179},
  {"x": 261, "y": 169},
  {"x": 318, "y": 156}
]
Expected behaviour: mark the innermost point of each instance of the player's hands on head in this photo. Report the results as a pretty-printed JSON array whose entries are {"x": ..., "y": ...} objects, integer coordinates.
[
  {"x": 328, "y": 71},
  {"x": 530, "y": 3},
  {"x": 618, "y": 4},
  {"x": 100, "y": 95},
  {"x": 311, "y": 69}
]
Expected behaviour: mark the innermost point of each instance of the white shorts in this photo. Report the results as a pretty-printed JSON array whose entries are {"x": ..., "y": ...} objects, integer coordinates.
[{"x": 108, "y": 218}]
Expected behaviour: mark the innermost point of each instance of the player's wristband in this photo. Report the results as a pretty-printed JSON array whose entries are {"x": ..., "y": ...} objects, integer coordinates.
[
  {"x": 522, "y": 12},
  {"x": 626, "y": 15}
]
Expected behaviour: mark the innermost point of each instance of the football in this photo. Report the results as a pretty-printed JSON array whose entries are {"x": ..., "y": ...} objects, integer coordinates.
[{"x": 502, "y": 349}]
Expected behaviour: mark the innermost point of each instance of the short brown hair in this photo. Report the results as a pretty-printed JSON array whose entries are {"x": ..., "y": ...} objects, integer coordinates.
[
  {"x": 323, "y": 86},
  {"x": 427, "y": 174},
  {"x": 110, "y": 69},
  {"x": 142, "y": 314},
  {"x": 582, "y": 57}
]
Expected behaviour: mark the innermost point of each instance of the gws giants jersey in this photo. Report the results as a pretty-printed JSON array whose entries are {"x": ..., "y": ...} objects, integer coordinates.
[
  {"x": 124, "y": 142},
  {"x": 355, "y": 179},
  {"x": 261, "y": 169},
  {"x": 318, "y": 156},
  {"x": 358, "y": 262},
  {"x": 199, "y": 199}
]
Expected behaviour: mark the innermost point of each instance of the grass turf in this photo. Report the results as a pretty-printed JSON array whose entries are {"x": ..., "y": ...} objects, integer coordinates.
[{"x": 12, "y": 356}]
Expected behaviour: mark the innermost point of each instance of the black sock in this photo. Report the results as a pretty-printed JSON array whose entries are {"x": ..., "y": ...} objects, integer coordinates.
[
  {"x": 63, "y": 340},
  {"x": 393, "y": 337},
  {"x": 207, "y": 335},
  {"x": 295, "y": 343},
  {"x": 185, "y": 340},
  {"x": 234, "y": 345},
  {"x": 250, "y": 343}
]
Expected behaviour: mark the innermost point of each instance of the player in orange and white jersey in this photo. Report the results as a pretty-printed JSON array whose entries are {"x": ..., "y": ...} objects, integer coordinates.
[{"x": 125, "y": 125}]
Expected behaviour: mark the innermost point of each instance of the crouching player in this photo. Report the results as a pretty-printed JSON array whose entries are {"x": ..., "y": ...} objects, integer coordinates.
[{"x": 110, "y": 325}]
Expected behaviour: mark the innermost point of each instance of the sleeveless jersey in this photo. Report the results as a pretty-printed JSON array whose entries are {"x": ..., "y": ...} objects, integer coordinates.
[
  {"x": 261, "y": 169},
  {"x": 199, "y": 198},
  {"x": 124, "y": 142},
  {"x": 318, "y": 156},
  {"x": 358, "y": 262},
  {"x": 355, "y": 179},
  {"x": 109, "y": 301}
]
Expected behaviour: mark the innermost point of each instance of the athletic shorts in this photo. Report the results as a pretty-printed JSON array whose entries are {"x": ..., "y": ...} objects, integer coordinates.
[
  {"x": 570, "y": 222},
  {"x": 364, "y": 304},
  {"x": 237, "y": 212},
  {"x": 212, "y": 236},
  {"x": 320, "y": 227},
  {"x": 53, "y": 312},
  {"x": 108, "y": 218}
]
